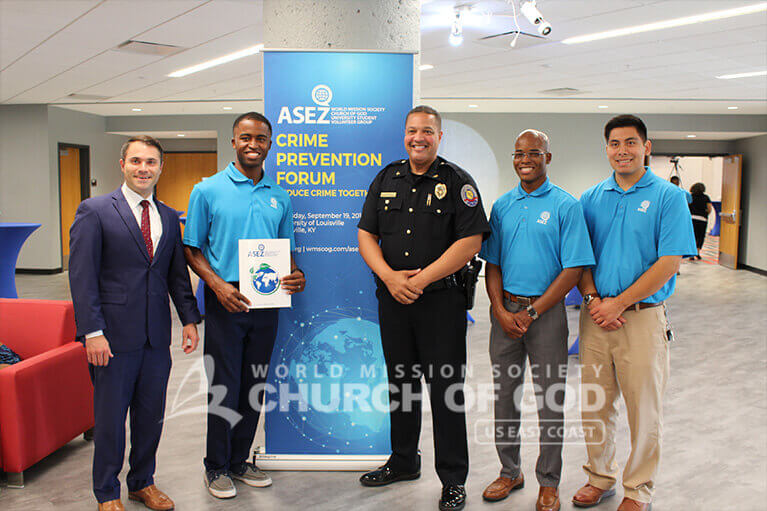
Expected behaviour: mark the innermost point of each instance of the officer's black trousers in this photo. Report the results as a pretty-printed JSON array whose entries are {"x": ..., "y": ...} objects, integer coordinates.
[{"x": 427, "y": 337}]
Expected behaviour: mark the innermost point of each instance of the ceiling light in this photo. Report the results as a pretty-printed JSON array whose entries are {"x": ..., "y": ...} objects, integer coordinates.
[
  {"x": 217, "y": 61},
  {"x": 676, "y": 22},
  {"x": 456, "y": 31},
  {"x": 743, "y": 75},
  {"x": 180, "y": 135},
  {"x": 732, "y": 108},
  {"x": 602, "y": 106},
  {"x": 473, "y": 106},
  {"x": 227, "y": 108},
  {"x": 692, "y": 136},
  {"x": 136, "y": 109},
  {"x": 535, "y": 17},
  {"x": 425, "y": 67}
]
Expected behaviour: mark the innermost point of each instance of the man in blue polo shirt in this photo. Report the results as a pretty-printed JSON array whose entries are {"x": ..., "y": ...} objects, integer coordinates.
[
  {"x": 240, "y": 202},
  {"x": 640, "y": 229},
  {"x": 537, "y": 247}
]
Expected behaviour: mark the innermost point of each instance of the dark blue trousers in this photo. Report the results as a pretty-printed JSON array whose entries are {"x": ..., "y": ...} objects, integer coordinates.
[
  {"x": 136, "y": 381},
  {"x": 240, "y": 345}
]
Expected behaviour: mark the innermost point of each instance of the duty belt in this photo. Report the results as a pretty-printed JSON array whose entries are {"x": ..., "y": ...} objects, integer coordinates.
[
  {"x": 521, "y": 300},
  {"x": 444, "y": 283}
]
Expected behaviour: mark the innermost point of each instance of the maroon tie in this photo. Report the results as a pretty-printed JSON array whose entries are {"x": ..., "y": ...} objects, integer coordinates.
[{"x": 145, "y": 231}]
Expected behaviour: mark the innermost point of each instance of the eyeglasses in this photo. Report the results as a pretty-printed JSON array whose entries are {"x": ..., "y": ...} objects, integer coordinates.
[{"x": 518, "y": 155}]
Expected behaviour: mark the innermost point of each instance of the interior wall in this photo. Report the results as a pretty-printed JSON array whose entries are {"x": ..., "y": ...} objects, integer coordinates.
[
  {"x": 184, "y": 145},
  {"x": 27, "y": 187},
  {"x": 753, "y": 232}
]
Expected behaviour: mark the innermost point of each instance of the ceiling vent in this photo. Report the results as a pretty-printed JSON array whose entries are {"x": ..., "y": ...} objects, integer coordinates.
[
  {"x": 87, "y": 97},
  {"x": 147, "y": 48},
  {"x": 562, "y": 91}
]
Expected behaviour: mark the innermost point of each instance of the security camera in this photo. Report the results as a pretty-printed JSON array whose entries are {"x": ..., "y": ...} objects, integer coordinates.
[{"x": 535, "y": 17}]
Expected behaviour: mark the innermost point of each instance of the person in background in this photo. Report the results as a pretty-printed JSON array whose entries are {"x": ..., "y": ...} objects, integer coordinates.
[
  {"x": 676, "y": 181},
  {"x": 700, "y": 207}
]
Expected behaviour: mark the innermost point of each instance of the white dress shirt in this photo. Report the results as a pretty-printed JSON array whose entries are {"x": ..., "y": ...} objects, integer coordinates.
[{"x": 155, "y": 225}]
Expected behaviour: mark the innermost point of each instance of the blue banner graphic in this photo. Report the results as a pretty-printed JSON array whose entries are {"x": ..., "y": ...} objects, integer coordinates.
[{"x": 337, "y": 119}]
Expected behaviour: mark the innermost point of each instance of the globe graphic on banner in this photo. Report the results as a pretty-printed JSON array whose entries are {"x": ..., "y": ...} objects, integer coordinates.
[
  {"x": 265, "y": 280},
  {"x": 335, "y": 364}
]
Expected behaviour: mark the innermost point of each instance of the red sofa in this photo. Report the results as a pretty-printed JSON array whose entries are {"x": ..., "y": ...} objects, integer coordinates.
[{"x": 46, "y": 400}]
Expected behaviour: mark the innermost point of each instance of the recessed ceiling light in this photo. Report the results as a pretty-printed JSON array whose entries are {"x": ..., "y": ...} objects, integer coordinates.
[
  {"x": 602, "y": 106},
  {"x": 227, "y": 108},
  {"x": 181, "y": 135},
  {"x": 425, "y": 67},
  {"x": 676, "y": 22},
  {"x": 473, "y": 106},
  {"x": 743, "y": 75},
  {"x": 692, "y": 136},
  {"x": 136, "y": 109},
  {"x": 217, "y": 61},
  {"x": 732, "y": 108}
]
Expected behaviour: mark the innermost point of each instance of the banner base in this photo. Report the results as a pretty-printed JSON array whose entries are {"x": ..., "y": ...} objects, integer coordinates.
[{"x": 321, "y": 462}]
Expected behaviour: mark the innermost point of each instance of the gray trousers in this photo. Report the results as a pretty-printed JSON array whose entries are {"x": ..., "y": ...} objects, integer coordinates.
[{"x": 545, "y": 343}]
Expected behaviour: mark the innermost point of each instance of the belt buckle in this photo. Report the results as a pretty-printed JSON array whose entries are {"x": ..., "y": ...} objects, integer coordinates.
[{"x": 523, "y": 300}]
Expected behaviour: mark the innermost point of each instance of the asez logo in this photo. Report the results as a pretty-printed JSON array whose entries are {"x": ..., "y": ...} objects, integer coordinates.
[
  {"x": 544, "y": 217},
  {"x": 643, "y": 207},
  {"x": 321, "y": 95}
]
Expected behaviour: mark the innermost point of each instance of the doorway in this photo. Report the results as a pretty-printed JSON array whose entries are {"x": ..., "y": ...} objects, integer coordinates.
[
  {"x": 181, "y": 171},
  {"x": 74, "y": 187}
]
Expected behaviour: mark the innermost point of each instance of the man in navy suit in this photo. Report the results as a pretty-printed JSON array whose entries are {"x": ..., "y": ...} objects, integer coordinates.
[{"x": 125, "y": 259}]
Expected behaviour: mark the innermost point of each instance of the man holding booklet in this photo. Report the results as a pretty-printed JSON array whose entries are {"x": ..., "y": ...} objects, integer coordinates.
[{"x": 238, "y": 203}]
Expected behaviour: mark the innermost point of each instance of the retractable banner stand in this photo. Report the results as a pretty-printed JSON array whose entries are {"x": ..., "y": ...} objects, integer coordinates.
[{"x": 337, "y": 118}]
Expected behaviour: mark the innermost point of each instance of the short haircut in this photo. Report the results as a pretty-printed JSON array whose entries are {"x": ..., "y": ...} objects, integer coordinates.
[
  {"x": 674, "y": 179},
  {"x": 144, "y": 139},
  {"x": 424, "y": 109},
  {"x": 626, "y": 121},
  {"x": 253, "y": 116},
  {"x": 539, "y": 134},
  {"x": 697, "y": 189}
]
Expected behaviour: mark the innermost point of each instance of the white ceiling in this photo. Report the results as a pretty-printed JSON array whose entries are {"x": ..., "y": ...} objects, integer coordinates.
[{"x": 52, "y": 48}]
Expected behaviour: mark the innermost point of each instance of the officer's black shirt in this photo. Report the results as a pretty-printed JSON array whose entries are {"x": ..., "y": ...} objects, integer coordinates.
[{"x": 418, "y": 217}]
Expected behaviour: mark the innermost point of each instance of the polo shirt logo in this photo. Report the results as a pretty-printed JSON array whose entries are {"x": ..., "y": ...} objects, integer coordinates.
[
  {"x": 643, "y": 207},
  {"x": 274, "y": 203},
  {"x": 544, "y": 217}
]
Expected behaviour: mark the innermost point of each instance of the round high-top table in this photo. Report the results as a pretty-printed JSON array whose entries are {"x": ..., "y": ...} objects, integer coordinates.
[{"x": 12, "y": 237}]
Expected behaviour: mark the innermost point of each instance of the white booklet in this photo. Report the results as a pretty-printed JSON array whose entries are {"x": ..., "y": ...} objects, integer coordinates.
[{"x": 262, "y": 264}]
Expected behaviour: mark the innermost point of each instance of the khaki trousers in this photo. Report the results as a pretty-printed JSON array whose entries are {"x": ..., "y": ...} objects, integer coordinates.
[{"x": 632, "y": 360}]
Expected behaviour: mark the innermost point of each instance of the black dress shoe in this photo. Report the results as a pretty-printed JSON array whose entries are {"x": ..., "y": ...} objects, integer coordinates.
[
  {"x": 386, "y": 475},
  {"x": 453, "y": 497}
]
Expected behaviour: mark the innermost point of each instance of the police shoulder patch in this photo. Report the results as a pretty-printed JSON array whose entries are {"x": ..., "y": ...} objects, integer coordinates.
[{"x": 469, "y": 195}]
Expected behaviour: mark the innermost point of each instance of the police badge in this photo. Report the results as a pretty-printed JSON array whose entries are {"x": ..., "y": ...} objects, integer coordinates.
[{"x": 440, "y": 191}]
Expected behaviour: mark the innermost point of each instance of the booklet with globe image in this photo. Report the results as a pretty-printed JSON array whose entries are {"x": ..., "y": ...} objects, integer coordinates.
[{"x": 262, "y": 264}]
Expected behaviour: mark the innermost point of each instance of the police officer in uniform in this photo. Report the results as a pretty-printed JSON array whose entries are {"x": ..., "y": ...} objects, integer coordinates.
[{"x": 422, "y": 222}]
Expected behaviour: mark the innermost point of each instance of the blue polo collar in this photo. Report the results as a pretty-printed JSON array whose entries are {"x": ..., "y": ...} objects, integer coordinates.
[
  {"x": 646, "y": 180},
  {"x": 238, "y": 177},
  {"x": 520, "y": 193}
]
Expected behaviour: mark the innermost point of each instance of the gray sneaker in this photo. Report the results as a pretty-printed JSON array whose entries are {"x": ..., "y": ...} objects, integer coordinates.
[
  {"x": 220, "y": 485},
  {"x": 252, "y": 475}
]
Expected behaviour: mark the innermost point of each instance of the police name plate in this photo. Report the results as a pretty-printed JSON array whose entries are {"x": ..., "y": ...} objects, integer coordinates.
[{"x": 262, "y": 264}]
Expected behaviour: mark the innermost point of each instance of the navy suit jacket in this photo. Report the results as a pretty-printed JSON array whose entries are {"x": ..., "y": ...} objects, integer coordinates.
[{"x": 115, "y": 287}]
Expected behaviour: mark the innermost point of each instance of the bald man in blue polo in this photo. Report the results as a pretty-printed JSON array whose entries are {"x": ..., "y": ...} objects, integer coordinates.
[{"x": 535, "y": 254}]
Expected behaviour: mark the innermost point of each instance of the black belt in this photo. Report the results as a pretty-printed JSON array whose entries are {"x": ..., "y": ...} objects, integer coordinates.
[
  {"x": 521, "y": 300},
  {"x": 446, "y": 283},
  {"x": 642, "y": 305}
]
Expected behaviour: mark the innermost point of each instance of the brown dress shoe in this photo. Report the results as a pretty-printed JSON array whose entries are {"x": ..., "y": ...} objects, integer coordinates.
[
  {"x": 501, "y": 487},
  {"x": 111, "y": 505},
  {"x": 634, "y": 505},
  {"x": 548, "y": 499},
  {"x": 590, "y": 496},
  {"x": 152, "y": 498}
]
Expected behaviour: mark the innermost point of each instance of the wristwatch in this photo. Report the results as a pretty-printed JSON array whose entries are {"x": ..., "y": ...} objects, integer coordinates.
[
  {"x": 532, "y": 312},
  {"x": 590, "y": 298}
]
